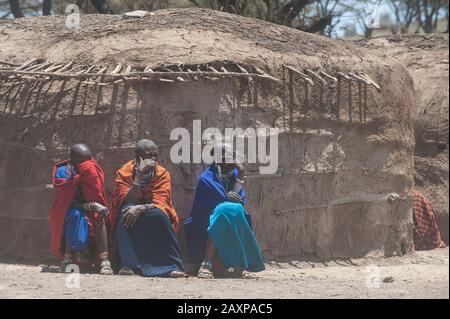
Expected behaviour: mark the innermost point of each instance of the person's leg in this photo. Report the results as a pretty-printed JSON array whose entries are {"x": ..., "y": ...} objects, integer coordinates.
[
  {"x": 205, "y": 271},
  {"x": 156, "y": 245},
  {"x": 75, "y": 236},
  {"x": 101, "y": 243},
  {"x": 196, "y": 236},
  {"x": 76, "y": 257},
  {"x": 234, "y": 240},
  {"x": 101, "y": 240},
  {"x": 67, "y": 260},
  {"x": 128, "y": 258}
]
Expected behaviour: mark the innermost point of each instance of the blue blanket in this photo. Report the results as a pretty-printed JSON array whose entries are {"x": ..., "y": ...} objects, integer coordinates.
[
  {"x": 209, "y": 193},
  {"x": 150, "y": 247},
  {"x": 233, "y": 238}
]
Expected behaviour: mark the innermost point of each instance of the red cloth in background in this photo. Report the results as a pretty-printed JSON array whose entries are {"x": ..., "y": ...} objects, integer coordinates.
[
  {"x": 91, "y": 181},
  {"x": 426, "y": 231}
]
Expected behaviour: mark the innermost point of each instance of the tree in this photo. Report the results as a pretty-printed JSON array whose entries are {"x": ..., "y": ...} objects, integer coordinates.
[
  {"x": 101, "y": 6},
  {"x": 428, "y": 13},
  {"x": 405, "y": 13},
  {"x": 446, "y": 16},
  {"x": 316, "y": 16},
  {"x": 306, "y": 15},
  {"x": 321, "y": 17},
  {"x": 15, "y": 9},
  {"x": 360, "y": 12},
  {"x": 46, "y": 7}
]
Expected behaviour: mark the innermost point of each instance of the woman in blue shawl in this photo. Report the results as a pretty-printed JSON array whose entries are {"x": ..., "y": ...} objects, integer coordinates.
[{"x": 218, "y": 225}]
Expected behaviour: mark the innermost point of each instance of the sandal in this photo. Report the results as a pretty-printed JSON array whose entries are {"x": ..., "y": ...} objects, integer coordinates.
[
  {"x": 247, "y": 275},
  {"x": 66, "y": 262},
  {"x": 235, "y": 272},
  {"x": 176, "y": 274},
  {"x": 105, "y": 267},
  {"x": 205, "y": 271},
  {"x": 126, "y": 271}
]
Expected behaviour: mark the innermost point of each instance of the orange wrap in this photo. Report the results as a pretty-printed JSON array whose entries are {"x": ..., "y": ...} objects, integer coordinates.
[{"x": 158, "y": 192}]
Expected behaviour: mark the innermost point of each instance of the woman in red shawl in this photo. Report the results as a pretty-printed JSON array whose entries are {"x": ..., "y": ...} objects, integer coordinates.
[
  {"x": 144, "y": 218},
  {"x": 79, "y": 212}
]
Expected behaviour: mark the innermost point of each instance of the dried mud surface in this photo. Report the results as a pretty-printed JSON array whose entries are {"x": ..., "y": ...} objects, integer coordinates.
[
  {"x": 423, "y": 275},
  {"x": 426, "y": 58}
]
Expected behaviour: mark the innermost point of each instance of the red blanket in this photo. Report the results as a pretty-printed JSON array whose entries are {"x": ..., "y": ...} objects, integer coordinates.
[
  {"x": 91, "y": 181},
  {"x": 426, "y": 231}
]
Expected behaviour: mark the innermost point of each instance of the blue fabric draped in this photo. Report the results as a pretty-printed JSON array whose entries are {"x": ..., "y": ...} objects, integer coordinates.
[
  {"x": 76, "y": 228},
  {"x": 209, "y": 193},
  {"x": 150, "y": 247},
  {"x": 233, "y": 238}
]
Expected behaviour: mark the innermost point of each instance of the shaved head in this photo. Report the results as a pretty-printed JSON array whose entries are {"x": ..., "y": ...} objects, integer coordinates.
[
  {"x": 145, "y": 148},
  {"x": 80, "y": 153},
  {"x": 145, "y": 144}
]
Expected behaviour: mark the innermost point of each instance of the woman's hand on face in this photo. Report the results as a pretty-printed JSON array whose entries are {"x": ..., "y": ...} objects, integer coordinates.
[
  {"x": 131, "y": 214},
  {"x": 146, "y": 165},
  {"x": 234, "y": 197}
]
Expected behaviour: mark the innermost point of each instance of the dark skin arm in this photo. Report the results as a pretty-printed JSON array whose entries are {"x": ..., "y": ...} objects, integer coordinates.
[
  {"x": 132, "y": 213},
  {"x": 234, "y": 197},
  {"x": 99, "y": 208}
]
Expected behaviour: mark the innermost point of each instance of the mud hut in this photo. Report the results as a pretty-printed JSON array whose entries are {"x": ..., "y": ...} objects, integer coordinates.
[
  {"x": 426, "y": 58},
  {"x": 344, "y": 117}
]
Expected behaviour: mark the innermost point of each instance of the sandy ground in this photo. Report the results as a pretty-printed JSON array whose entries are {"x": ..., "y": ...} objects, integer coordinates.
[{"x": 422, "y": 275}]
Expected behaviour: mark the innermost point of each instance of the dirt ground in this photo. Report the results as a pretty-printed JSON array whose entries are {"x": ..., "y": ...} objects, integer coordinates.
[{"x": 419, "y": 276}]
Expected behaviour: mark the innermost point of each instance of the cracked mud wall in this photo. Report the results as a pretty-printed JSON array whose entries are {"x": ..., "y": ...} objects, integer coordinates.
[
  {"x": 426, "y": 58},
  {"x": 339, "y": 191},
  {"x": 342, "y": 189}
]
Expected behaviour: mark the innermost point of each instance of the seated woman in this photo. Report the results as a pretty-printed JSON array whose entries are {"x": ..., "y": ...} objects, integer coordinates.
[
  {"x": 79, "y": 216},
  {"x": 218, "y": 224},
  {"x": 144, "y": 218}
]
